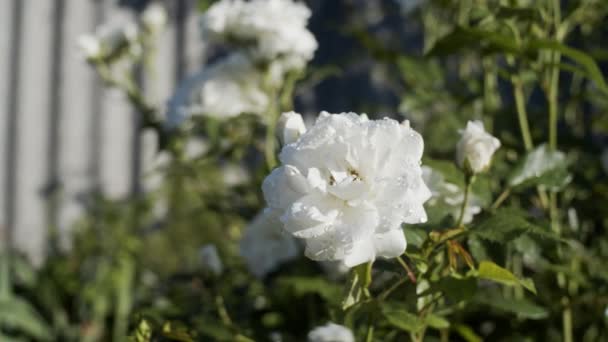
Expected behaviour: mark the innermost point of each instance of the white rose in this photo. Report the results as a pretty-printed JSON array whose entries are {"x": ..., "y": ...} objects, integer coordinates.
[
  {"x": 265, "y": 245},
  {"x": 154, "y": 17},
  {"x": 110, "y": 39},
  {"x": 476, "y": 147},
  {"x": 210, "y": 259},
  {"x": 331, "y": 332},
  {"x": 346, "y": 186},
  {"x": 290, "y": 127},
  {"x": 225, "y": 89},
  {"x": 268, "y": 29}
]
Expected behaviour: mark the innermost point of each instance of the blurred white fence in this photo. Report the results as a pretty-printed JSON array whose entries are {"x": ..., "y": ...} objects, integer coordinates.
[{"x": 61, "y": 132}]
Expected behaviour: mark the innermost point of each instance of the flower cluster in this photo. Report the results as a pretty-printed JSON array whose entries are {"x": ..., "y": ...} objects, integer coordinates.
[
  {"x": 268, "y": 38},
  {"x": 346, "y": 185},
  {"x": 109, "y": 42},
  {"x": 269, "y": 30},
  {"x": 225, "y": 89}
]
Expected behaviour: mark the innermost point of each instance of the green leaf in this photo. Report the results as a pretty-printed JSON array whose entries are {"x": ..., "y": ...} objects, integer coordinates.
[
  {"x": 357, "y": 288},
  {"x": 541, "y": 166},
  {"x": 522, "y": 307},
  {"x": 20, "y": 315},
  {"x": 463, "y": 38},
  {"x": 490, "y": 271},
  {"x": 507, "y": 224},
  {"x": 415, "y": 236},
  {"x": 437, "y": 322},
  {"x": 143, "y": 332},
  {"x": 454, "y": 289},
  {"x": 215, "y": 329},
  {"x": 306, "y": 285},
  {"x": 397, "y": 316},
  {"x": 6, "y": 338},
  {"x": 591, "y": 68},
  {"x": 467, "y": 333},
  {"x": 177, "y": 331},
  {"x": 521, "y": 13}
]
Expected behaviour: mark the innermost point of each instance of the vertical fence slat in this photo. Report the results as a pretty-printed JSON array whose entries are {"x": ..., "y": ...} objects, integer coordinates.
[
  {"x": 116, "y": 127},
  {"x": 32, "y": 137},
  {"x": 6, "y": 32},
  {"x": 159, "y": 87},
  {"x": 55, "y": 102},
  {"x": 194, "y": 47},
  {"x": 77, "y": 111}
]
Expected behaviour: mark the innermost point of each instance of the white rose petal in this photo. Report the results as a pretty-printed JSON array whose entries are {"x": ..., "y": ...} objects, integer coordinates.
[
  {"x": 89, "y": 45},
  {"x": 331, "y": 332},
  {"x": 289, "y": 127},
  {"x": 347, "y": 184},
  {"x": 210, "y": 259},
  {"x": 476, "y": 147},
  {"x": 265, "y": 245}
]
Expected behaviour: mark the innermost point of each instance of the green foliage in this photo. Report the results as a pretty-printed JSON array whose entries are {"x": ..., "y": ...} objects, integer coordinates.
[
  {"x": 541, "y": 166},
  {"x": 16, "y": 313},
  {"x": 507, "y": 224},
  {"x": 521, "y": 307},
  {"x": 490, "y": 271}
]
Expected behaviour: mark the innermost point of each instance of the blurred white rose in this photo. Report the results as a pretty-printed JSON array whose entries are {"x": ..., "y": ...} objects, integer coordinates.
[
  {"x": 346, "y": 186},
  {"x": 90, "y": 45},
  {"x": 331, "y": 332},
  {"x": 110, "y": 40},
  {"x": 265, "y": 245},
  {"x": 154, "y": 17},
  {"x": 476, "y": 147},
  {"x": 334, "y": 270},
  {"x": 450, "y": 195},
  {"x": 225, "y": 89},
  {"x": 270, "y": 30},
  {"x": 290, "y": 127},
  {"x": 210, "y": 259}
]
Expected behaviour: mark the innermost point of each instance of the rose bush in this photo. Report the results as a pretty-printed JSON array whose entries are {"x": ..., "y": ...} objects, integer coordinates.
[{"x": 480, "y": 217}]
